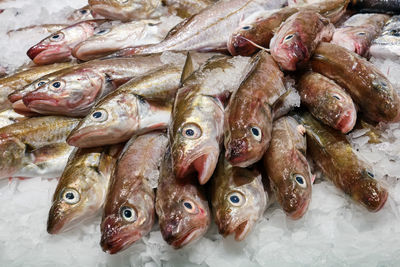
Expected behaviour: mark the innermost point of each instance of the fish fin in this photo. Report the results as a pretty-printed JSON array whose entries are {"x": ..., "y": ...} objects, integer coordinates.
[{"x": 188, "y": 68}]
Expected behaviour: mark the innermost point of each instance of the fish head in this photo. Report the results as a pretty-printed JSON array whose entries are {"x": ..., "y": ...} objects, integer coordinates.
[
  {"x": 17, "y": 95},
  {"x": 125, "y": 223},
  {"x": 247, "y": 136},
  {"x": 197, "y": 133},
  {"x": 238, "y": 207},
  {"x": 12, "y": 152},
  {"x": 80, "y": 14},
  {"x": 71, "y": 94},
  {"x": 242, "y": 40}
]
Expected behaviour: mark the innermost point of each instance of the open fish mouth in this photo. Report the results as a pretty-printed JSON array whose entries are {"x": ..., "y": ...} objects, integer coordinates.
[
  {"x": 188, "y": 237},
  {"x": 347, "y": 121}
]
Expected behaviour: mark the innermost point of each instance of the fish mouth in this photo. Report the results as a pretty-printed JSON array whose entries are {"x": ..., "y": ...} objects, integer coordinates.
[
  {"x": 300, "y": 211},
  {"x": 90, "y": 138},
  {"x": 20, "y": 108},
  {"x": 347, "y": 121},
  {"x": 45, "y": 55},
  {"x": 59, "y": 221},
  {"x": 39, "y": 102},
  {"x": 240, "y": 230},
  {"x": 84, "y": 51},
  {"x": 238, "y": 45},
  {"x": 186, "y": 238},
  {"x": 237, "y": 153}
]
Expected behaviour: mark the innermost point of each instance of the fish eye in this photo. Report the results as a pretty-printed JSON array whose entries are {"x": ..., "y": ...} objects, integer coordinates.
[
  {"x": 70, "y": 196},
  {"x": 57, "y": 85},
  {"x": 236, "y": 199},
  {"x": 40, "y": 83},
  {"x": 361, "y": 33},
  {"x": 379, "y": 84},
  {"x": 191, "y": 131},
  {"x": 101, "y": 31},
  {"x": 370, "y": 174},
  {"x": 57, "y": 37},
  {"x": 83, "y": 11},
  {"x": 300, "y": 180},
  {"x": 256, "y": 133},
  {"x": 128, "y": 214},
  {"x": 247, "y": 27},
  {"x": 189, "y": 206},
  {"x": 99, "y": 115},
  {"x": 336, "y": 96},
  {"x": 123, "y": 1},
  {"x": 288, "y": 37}
]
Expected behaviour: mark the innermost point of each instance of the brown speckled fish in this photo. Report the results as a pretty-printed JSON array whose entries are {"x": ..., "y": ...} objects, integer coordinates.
[
  {"x": 182, "y": 209},
  {"x": 81, "y": 190},
  {"x": 248, "y": 119},
  {"x": 187, "y": 8},
  {"x": 129, "y": 212},
  {"x": 287, "y": 167},
  {"x": 327, "y": 101},
  {"x": 367, "y": 86},
  {"x": 296, "y": 39},
  {"x": 333, "y": 154},
  {"x": 238, "y": 199}
]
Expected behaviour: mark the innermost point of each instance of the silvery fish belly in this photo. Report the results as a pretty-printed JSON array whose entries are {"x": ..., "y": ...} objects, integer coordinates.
[{"x": 387, "y": 45}]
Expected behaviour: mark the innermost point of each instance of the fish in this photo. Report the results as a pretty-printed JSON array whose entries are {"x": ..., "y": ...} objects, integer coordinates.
[
  {"x": 81, "y": 190},
  {"x": 45, "y": 29},
  {"x": 196, "y": 130},
  {"x": 129, "y": 210},
  {"x": 125, "y": 10},
  {"x": 387, "y": 45},
  {"x": 206, "y": 31},
  {"x": 181, "y": 207},
  {"x": 108, "y": 40},
  {"x": 57, "y": 47},
  {"x": 239, "y": 199},
  {"x": 369, "y": 89},
  {"x": 333, "y": 154},
  {"x": 83, "y": 13},
  {"x": 16, "y": 81},
  {"x": 286, "y": 164},
  {"x": 359, "y": 31},
  {"x": 20, "y": 140},
  {"x": 186, "y": 8},
  {"x": 257, "y": 30},
  {"x": 387, "y": 6},
  {"x": 327, "y": 101},
  {"x": 297, "y": 38},
  {"x": 248, "y": 119},
  {"x": 8, "y": 117},
  {"x": 74, "y": 93}
]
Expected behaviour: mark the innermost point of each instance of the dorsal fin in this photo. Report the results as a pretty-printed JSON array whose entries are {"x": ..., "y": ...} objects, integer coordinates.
[{"x": 187, "y": 68}]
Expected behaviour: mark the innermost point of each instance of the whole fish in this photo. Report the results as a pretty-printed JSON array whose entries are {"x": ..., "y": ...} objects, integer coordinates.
[
  {"x": 248, "y": 119},
  {"x": 108, "y": 40},
  {"x": 19, "y": 141},
  {"x": 238, "y": 199},
  {"x": 187, "y": 8},
  {"x": 387, "y": 6},
  {"x": 129, "y": 212},
  {"x": 369, "y": 88},
  {"x": 296, "y": 39},
  {"x": 387, "y": 45},
  {"x": 258, "y": 30},
  {"x": 196, "y": 130},
  {"x": 333, "y": 154},
  {"x": 327, "y": 101},
  {"x": 18, "y": 80},
  {"x": 181, "y": 207},
  {"x": 208, "y": 30},
  {"x": 125, "y": 10},
  {"x": 57, "y": 47},
  {"x": 75, "y": 93},
  {"x": 81, "y": 190},
  {"x": 359, "y": 31},
  {"x": 287, "y": 167}
]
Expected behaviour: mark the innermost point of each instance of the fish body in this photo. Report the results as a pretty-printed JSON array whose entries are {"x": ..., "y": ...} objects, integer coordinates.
[
  {"x": 58, "y": 46},
  {"x": 367, "y": 86},
  {"x": 387, "y": 45},
  {"x": 81, "y": 190},
  {"x": 387, "y": 6},
  {"x": 187, "y": 8},
  {"x": 181, "y": 207},
  {"x": 359, "y": 31},
  {"x": 238, "y": 199},
  {"x": 249, "y": 116},
  {"x": 333, "y": 154},
  {"x": 296, "y": 39},
  {"x": 129, "y": 211},
  {"x": 287, "y": 167},
  {"x": 327, "y": 101}
]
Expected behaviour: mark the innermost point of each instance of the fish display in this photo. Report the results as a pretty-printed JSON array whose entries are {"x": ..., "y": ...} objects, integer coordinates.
[
  {"x": 387, "y": 45},
  {"x": 129, "y": 211},
  {"x": 287, "y": 167}
]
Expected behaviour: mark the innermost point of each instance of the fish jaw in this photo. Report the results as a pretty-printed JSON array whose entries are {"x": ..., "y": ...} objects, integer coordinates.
[
  {"x": 227, "y": 226},
  {"x": 84, "y": 51},
  {"x": 369, "y": 193},
  {"x": 300, "y": 211},
  {"x": 347, "y": 121},
  {"x": 60, "y": 219},
  {"x": 41, "y": 54},
  {"x": 189, "y": 237},
  {"x": 91, "y": 137},
  {"x": 235, "y": 152},
  {"x": 239, "y": 45}
]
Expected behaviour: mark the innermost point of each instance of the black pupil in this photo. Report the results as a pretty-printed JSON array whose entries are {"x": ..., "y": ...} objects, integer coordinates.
[
  {"x": 371, "y": 174},
  {"x": 189, "y": 132},
  {"x": 246, "y": 28},
  {"x": 188, "y": 205},
  {"x": 299, "y": 179},
  {"x": 69, "y": 195},
  {"x": 56, "y": 84},
  {"x": 56, "y": 36},
  {"x": 335, "y": 96},
  {"x": 101, "y": 31},
  {"x": 289, "y": 37},
  {"x": 127, "y": 213},
  {"x": 361, "y": 33},
  {"x": 83, "y": 11},
  {"x": 97, "y": 115},
  {"x": 234, "y": 199},
  {"x": 255, "y": 131},
  {"x": 41, "y": 83}
]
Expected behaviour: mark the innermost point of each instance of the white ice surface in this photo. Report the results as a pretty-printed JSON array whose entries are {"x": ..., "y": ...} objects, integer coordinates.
[{"x": 334, "y": 232}]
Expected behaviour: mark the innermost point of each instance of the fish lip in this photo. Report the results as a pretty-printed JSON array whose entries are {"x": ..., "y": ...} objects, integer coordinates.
[
  {"x": 299, "y": 212},
  {"x": 75, "y": 137},
  {"x": 236, "y": 153},
  {"x": 116, "y": 241},
  {"x": 52, "y": 54},
  {"x": 35, "y": 50},
  {"x": 20, "y": 108},
  {"x": 382, "y": 202},
  {"x": 89, "y": 53},
  {"x": 347, "y": 121},
  {"x": 238, "y": 45},
  {"x": 189, "y": 236},
  {"x": 240, "y": 229}
]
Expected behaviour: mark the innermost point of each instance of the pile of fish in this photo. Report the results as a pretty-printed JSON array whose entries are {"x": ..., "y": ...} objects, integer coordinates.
[{"x": 173, "y": 129}]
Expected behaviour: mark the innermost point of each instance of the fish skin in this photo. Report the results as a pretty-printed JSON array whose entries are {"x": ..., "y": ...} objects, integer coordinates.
[
  {"x": 387, "y": 45},
  {"x": 130, "y": 187},
  {"x": 387, "y": 6},
  {"x": 180, "y": 225},
  {"x": 125, "y": 10},
  {"x": 285, "y": 161},
  {"x": 333, "y": 154},
  {"x": 327, "y": 101},
  {"x": 359, "y": 31},
  {"x": 199, "y": 111},
  {"x": 260, "y": 29},
  {"x": 86, "y": 176},
  {"x": 297, "y": 38},
  {"x": 247, "y": 185},
  {"x": 57, "y": 47},
  {"x": 9, "y": 117},
  {"x": 187, "y": 8},
  {"x": 367, "y": 86},
  {"x": 19, "y": 140},
  {"x": 81, "y": 88},
  {"x": 250, "y": 107}
]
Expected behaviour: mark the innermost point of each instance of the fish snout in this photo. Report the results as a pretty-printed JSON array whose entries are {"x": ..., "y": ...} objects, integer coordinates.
[
  {"x": 235, "y": 151},
  {"x": 238, "y": 45},
  {"x": 35, "y": 50},
  {"x": 170, "y": 229}
]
